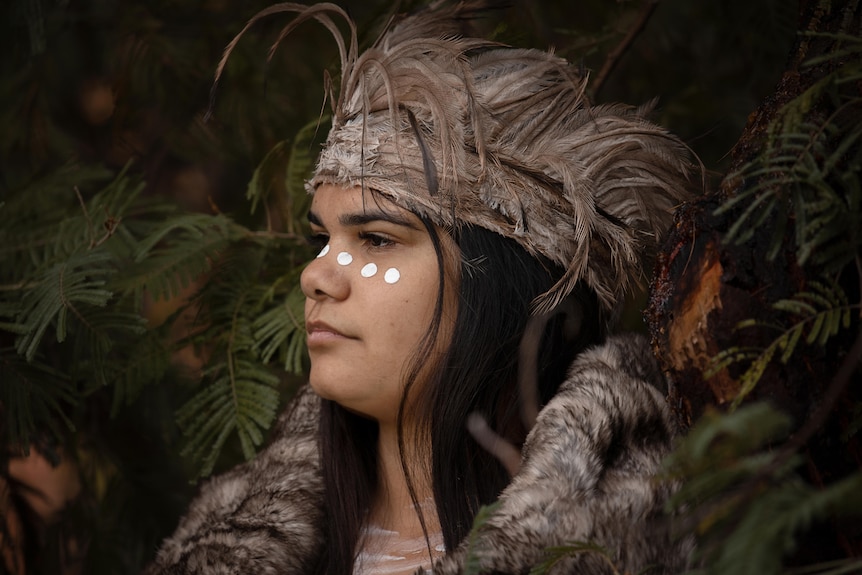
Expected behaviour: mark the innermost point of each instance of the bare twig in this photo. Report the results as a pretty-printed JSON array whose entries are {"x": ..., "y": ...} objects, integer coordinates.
[
  {"x": 859, "y": 273},
  {"x": 830, "y": 398},
  {"x": 487, "y": 438},
  {"x": 111, "y": 223},
  {"x": 528, "y": 369},
  {"x": 614, "y": 55},
  {"x": 90, "y": 231}
]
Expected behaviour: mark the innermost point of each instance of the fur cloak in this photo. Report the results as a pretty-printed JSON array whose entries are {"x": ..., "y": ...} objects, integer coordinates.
[{"x": 588, "y": 475}]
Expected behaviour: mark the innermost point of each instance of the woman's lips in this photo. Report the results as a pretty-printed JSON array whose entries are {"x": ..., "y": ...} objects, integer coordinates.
[{"x": 321, "y": 332}]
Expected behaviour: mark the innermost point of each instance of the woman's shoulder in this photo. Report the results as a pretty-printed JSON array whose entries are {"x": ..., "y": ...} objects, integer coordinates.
[
  {"x": 589, "y": 473},
  {"x": 610, "y": 411},
  {"x": 623, "y": 354},
  {"x": 262, "y": 516}
]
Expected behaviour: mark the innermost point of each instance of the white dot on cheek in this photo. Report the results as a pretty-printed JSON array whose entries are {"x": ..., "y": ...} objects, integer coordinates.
[
  {"x": 324, "y": 251},
  {"x": 368, "y": 270},
  {"x": 344, "y": 258},
  {"x": 391, "y": 276}
]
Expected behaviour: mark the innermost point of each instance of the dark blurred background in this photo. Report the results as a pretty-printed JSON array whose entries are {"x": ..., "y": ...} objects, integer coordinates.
[{"x": 101, "y": 85}]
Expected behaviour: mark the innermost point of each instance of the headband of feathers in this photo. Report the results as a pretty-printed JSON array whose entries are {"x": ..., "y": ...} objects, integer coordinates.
[{"x": 466, "y": 131}]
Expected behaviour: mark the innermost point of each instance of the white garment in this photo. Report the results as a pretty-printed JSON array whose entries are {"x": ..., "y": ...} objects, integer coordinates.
[{"x": 385, "y": 552}]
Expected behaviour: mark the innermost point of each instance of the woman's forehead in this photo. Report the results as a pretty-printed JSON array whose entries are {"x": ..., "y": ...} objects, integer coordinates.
[{"x": 361, "y": 202}]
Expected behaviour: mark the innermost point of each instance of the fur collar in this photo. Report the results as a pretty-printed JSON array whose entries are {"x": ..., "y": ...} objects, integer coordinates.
[{"x": 588, "y": 476}]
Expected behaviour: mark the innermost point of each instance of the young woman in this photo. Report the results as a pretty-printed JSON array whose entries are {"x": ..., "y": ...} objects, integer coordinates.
[{"x": 478, "y": 223}]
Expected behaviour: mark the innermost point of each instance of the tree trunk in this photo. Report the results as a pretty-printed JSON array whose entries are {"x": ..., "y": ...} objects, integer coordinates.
[{"x": 705, "y": 286}]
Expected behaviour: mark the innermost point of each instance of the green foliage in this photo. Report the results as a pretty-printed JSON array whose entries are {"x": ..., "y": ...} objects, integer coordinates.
[
  {"x": 808, "y": 173},
  {"x": 240, "y": 398},
  {"x": 472, "y": 561},
  {"x": 33, "y": 396},
  {"x": 821, "y": 313},
  {"x": 557, "y": 554},
  {"x": 281, "y": 330},
  {"x": 552, "y": 555},
  {"x": 283, "y": 171},
  {"x": 164, "y": 270},
  {"x": 744, "y": 501},
  {"x": 91, "y": 251}
]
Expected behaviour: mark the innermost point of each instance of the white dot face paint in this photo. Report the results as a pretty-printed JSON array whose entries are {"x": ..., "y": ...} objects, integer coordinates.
[
  {"x": 368, "y": 270},
  {"x": 391, "y": 276},
  {"x": 324, "y": 251},
  {"x": 344, "y": 258}
]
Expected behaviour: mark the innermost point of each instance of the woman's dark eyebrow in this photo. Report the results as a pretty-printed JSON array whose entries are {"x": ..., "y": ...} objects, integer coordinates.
[{"x": 366, "y": 217}]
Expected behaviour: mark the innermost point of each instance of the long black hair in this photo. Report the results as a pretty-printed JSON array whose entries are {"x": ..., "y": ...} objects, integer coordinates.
[{"x": 478, "y": 373}]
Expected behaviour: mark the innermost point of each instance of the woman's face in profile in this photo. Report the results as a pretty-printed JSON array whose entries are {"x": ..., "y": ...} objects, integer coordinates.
[{"x": 370, "y": 298}]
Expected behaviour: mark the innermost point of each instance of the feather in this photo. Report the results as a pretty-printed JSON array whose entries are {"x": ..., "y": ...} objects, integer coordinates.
[{"x": 467, "y": 131}]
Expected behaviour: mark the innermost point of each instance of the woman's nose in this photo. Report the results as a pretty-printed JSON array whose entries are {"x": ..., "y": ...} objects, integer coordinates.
[{"x": 325, "y": 278}]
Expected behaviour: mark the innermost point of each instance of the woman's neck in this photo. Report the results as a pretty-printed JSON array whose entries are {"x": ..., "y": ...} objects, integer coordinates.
[{"x": 393, "y": 508}]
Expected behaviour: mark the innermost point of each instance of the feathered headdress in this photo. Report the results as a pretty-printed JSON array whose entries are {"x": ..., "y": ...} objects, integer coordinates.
[{"x": 470, "y": 132}]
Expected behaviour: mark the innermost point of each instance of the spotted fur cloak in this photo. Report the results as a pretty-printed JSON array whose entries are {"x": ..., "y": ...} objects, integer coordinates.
[{"x": 588, "y": 474}]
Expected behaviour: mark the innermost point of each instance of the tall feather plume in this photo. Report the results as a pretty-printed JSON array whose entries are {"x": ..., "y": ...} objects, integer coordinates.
[
  {"x": 320, "y": 12},
  {"x": 470, "y": 132}
]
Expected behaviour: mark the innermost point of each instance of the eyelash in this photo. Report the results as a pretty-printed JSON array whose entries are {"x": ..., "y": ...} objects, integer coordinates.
[
  {"x": 372, "y": 240},
  {"x": 376, "y": 241}
]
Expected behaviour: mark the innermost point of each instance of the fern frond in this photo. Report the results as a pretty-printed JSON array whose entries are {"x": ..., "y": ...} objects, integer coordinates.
[
  {"x": 281, "y": 328},
  {"x": 820, "y": 312},
  {"x": 261, "y": 184},
  {"x": 98, "y": 344},
  {"x": 729, "y": 356},
  {"x": 801, "y": 177},
  {"x": 747, "y": 526},
  {"x": 241, "y": 398},
  {"x": 58, "y": 292},
  {"x": 44, "y": 238},
  {"x": 177, "y": 253},
  {"x": 770, "y": 522},
  {"x": 34, "y": 396},
  {"x": 299, "y": 166},
  {"x": 719, "y": 438},
  {"x": 146, "y": 362}
]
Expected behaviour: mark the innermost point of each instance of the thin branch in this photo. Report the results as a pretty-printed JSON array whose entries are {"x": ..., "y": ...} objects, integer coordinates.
[
  {"x": 528, "y": 369},
  {"x": 859, "y": 273},
  {"x": 230, "y": 355},
  {"x": 615, "y": 54},
  {"x": 490, "y": 441},
  {"x": 111, "y": 224},
  {"x": 90, "y": 231},
  {"x": 830, "y": 398},
  {"x": 22, "y": 285}
]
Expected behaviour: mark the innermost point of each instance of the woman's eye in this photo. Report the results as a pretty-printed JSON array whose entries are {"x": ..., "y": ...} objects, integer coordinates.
[{"x": 376, "y": 240}]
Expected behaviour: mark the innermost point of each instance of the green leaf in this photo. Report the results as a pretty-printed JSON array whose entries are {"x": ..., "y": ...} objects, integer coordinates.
[
  {"x": 280, "y": 328},
  {"x": 261, "y": 184},
  {"x": 241, "y": 398},
  {"x": 60, "y": 291},
  {"x": 177, "y": 253}
]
